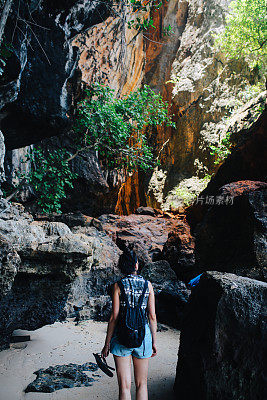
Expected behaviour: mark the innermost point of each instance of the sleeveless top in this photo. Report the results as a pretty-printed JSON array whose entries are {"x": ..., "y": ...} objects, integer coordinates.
[{"x": 133, "y": 286}]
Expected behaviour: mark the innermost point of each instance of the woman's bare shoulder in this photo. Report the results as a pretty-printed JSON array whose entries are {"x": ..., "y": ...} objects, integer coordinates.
[{"x": 116, "y": 288}]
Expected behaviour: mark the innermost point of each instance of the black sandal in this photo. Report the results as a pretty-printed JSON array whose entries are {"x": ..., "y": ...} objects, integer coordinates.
[{"x": 103, "y": 365}]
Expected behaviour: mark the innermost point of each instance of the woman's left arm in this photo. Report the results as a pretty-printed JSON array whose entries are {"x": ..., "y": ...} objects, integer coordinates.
[{"x": 113, "y": 319}]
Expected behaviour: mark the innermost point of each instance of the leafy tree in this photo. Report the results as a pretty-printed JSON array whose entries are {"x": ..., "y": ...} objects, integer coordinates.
[
  {"x": 245, "y": 34},
  {"x": 118, "y": 128},
  {"x": 49, "y": 177},
  {"x": 115, "y": 128}
]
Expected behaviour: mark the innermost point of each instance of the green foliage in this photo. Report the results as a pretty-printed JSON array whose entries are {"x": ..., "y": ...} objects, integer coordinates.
[
  {"x": 117, "y": 128},
  {"x": 187, "y": 192},
  {"x": 222, "y": 150},
  {"x": 144, "y": 23},
  {"x": 49, "y": 177},
  {"x": 245, "y": 34},
  {"x": 5, "y": 53},
  {"x": 185, "y": 195}
]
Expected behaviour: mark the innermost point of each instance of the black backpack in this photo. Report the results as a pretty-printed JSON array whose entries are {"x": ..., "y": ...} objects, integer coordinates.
[{"x": 132, "y": 321}]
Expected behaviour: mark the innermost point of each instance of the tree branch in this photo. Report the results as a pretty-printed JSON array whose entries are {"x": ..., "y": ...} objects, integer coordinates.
[{"x": 4, "y": 17}]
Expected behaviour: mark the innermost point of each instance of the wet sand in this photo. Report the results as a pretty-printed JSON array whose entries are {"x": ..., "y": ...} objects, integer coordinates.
[{"x": 64, "y": 343}]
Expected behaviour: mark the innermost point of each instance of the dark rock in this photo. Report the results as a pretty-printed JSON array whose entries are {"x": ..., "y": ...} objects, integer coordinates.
[
  {"x": 71, "y": 219},
  {"x": 20, "y": 338},
  {"x": 2, "y": 156},
  {"x": 62, "y": 376},
  {"x": 146, "y": 211},
  {"x": 162, "y": 328},
  {"x": 45, "y": 84},
  {"x": 247, "y": 161},
  {"x": 179, "y": 251},
  {"x": 171, "y": 295},
  {"x": 9, "y": 263},
  {"x": 223, "y": 340},
  {"x": 232, "y": 237}
]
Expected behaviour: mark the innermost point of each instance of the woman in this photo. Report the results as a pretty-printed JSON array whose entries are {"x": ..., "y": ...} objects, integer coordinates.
[{"x": 133, "y": 287}]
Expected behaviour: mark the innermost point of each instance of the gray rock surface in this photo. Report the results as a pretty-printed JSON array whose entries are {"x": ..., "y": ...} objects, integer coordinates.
[
  {"x": 207, "y": 95},
  {"x": 223, "y": 340},
  {"x": 62, "y": 376},
  {"x": 49, "y": 272},
  {"x": 2, "y": 156},
  {"x": 171, "y": 295}
]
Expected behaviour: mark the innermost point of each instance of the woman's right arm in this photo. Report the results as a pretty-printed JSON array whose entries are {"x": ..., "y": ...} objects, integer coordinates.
[
  {"x": 113, "y": 319},
  {"x": 152, "y": 317}
]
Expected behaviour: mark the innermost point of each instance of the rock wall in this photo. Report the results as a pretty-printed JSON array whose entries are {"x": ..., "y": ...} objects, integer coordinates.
[
  {"x": 2, "y": 157},
  {"x": 223, "y": 340},
  {"x": 50, "y": 271},
  {"x": 95, "y": 44},
  {"x": 203, "y": 91},
  {"x": 42, "y": 70}
]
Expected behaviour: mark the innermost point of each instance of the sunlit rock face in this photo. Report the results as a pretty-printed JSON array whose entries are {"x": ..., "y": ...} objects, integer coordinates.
[
  {"x": 112, "y": 54},
  {"x": 203, "y": 90}
]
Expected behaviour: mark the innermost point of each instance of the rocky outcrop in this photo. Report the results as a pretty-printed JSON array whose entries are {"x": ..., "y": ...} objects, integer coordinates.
[
  {"x": 50, "y": 272},
  {"x": 232, "y": 235},
  {"x": 43, "y": 67},
  {"x": 2, "y": 156},
  {"x": 171, "y": 295},
  {"x": 205, "y": 94},
  {"x": 223, "y": 340},
  {"x": 179, "y": 251},
  {"x": 144, "y": 233}
]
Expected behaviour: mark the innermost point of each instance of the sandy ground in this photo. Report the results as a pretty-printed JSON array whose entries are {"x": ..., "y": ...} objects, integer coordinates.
[{"x": 64, "y": 343}]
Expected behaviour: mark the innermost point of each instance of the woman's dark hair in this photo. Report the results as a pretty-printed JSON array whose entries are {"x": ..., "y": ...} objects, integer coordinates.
[{"x": 127, "y": 261}]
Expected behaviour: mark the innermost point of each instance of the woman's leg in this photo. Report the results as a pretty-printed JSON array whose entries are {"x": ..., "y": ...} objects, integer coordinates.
[
  {"x": 123, "y": 368},
  {"x": 140, "y": 376}
]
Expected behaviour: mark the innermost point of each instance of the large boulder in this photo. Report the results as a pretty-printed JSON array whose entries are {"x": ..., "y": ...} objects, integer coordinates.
[
  {"x": 232, "y": 234},
  {"x": 145, "y": 233},
  {"x": 223, "y": 340},
  {"x": 171, "y": 295},
  {"x": 50, "y": 272},
  {"x": 179, "y": 251}
]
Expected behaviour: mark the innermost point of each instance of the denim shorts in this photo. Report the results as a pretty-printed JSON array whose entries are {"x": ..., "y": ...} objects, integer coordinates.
[{"x": 144, "y": 351}]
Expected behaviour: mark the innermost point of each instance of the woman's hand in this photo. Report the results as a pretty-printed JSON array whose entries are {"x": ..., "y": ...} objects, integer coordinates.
[
  {"x": 105, "y": 351},
  {"x": 154, "y": 348}
]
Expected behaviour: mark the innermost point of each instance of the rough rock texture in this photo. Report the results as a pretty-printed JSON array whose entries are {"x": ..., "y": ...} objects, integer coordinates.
[
  {"x": 62, "y": 376},
  {"x": 232, "y": 235},
  {"x": 144, "y": 233},
  {"x": 43, "y": 69},
  {"x": 111, "y": 53},
  {"x": 202, "y": 91},
  {"x": 171, "y": 295},
  {"x": 179, "y": 251},
  {"x": 50, "y": 272},
  {"x": 2, "y": 156},
  {"x": 223, "y": 340},
  {"x": 9, "y": 261}
]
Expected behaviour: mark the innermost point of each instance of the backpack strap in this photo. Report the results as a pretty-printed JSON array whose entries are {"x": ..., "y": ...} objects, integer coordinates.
[
  {"x": 124, "y": 296},
  {"x": 141, "y": 298}
]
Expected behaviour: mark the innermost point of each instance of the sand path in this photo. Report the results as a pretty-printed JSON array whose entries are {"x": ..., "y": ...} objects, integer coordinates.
[{"x": 64, "y": 343}]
